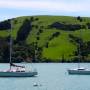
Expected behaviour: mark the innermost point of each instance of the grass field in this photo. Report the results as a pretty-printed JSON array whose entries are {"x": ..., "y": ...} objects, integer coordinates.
[{"x": 58, "y": 47}]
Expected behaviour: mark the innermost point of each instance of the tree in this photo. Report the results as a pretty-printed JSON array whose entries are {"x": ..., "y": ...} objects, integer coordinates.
[
  {"x": 79, "y": 18},
  {"x": 32, "y": 19},
  {"x": 38, "y": 38},
  {"x": 24, "y": 30},
  {"x": 40, "y": 30},
  {"x": 46, "y": 45}
]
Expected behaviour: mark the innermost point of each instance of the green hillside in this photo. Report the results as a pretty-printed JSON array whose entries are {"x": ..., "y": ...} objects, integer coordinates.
[{"x": 56, "y": 37}]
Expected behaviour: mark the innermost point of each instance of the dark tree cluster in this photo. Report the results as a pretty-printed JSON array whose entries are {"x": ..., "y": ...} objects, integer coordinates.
[
  {"x": 24, "y": 31},
  {"x": 40, "y": 30},
  {"x": 66, "y": 27},
  {"x": 56, "y": 34},
  {"x": 38, "y": 38},
  {"x": 41, "y": 27},
  {"x": 36, "y": 19},
  {"x": 33, "y": 19},
  {"x": 88, "y": 47},
  {"x": 79, "y": 18},
  {"x": 15, "y": 21},
  {"x": 57, "y": 25},
  {"x": 75, "y": 39},
  {"x": 82, "y": 48},
  {"x": 5, "y": 25},
  {"x": 46, "y": 45},
  {"x": 36, "y": 26},
  {"x": 88, "y": 25},
  {"x": 4, "y": 50},
  {"x": 73, "y": 27}
]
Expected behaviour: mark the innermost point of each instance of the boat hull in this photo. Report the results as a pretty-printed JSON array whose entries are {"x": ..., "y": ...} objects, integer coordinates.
[
  {"x": 17, "y": 74},
  {"x": 81, "y": 72}
]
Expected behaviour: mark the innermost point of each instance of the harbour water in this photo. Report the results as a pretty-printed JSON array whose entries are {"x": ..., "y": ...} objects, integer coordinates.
[{"x": 51, "y": 76}]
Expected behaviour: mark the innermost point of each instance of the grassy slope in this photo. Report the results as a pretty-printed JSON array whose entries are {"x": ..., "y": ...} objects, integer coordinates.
[
  {"x": 4, "y": 33},
  {"x": 59, "y": 46}
]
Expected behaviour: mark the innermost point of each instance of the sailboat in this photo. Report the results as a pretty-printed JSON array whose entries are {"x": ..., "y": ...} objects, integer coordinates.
[
  {"x": 79, "y": 70},
  {"x": 16, "y": 71}
]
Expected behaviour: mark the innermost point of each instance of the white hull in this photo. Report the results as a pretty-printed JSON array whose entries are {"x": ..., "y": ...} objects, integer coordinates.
[
  {"x": 17, "y": 74},
  {"x": 81, "y": 72}
]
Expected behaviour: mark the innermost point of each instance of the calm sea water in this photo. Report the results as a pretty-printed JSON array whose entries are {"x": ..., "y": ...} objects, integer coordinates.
[{"x": 51, "y": 76}]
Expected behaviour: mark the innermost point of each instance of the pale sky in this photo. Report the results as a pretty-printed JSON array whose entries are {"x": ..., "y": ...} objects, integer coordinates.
[{"x": 16, "y": 8}]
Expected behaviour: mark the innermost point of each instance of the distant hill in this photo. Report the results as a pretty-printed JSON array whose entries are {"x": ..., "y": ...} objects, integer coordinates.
[{"x": 54, "y": 38}]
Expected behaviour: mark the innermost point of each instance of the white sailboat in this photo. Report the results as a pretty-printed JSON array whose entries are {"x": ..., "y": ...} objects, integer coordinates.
[
  {"x": 16, "y": 71},
  {"x": 79, "y": 70}
]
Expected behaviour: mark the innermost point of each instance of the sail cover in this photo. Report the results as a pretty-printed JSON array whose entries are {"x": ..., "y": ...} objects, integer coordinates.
[{"x": 16, "y": 65}]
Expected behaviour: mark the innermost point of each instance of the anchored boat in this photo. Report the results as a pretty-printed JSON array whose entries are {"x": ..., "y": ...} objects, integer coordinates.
[
  {"x": 79, "y": 70},
  {"x": 16, "y": 71}
]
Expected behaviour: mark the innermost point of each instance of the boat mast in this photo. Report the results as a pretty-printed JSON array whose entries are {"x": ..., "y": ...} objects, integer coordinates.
[
  {"x": 10, "y": 44},
  {"x": 79, "y": 55}
]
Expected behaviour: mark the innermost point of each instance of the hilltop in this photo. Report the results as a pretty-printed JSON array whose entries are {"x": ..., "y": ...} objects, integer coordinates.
[{"x": 52, "y": 38}]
